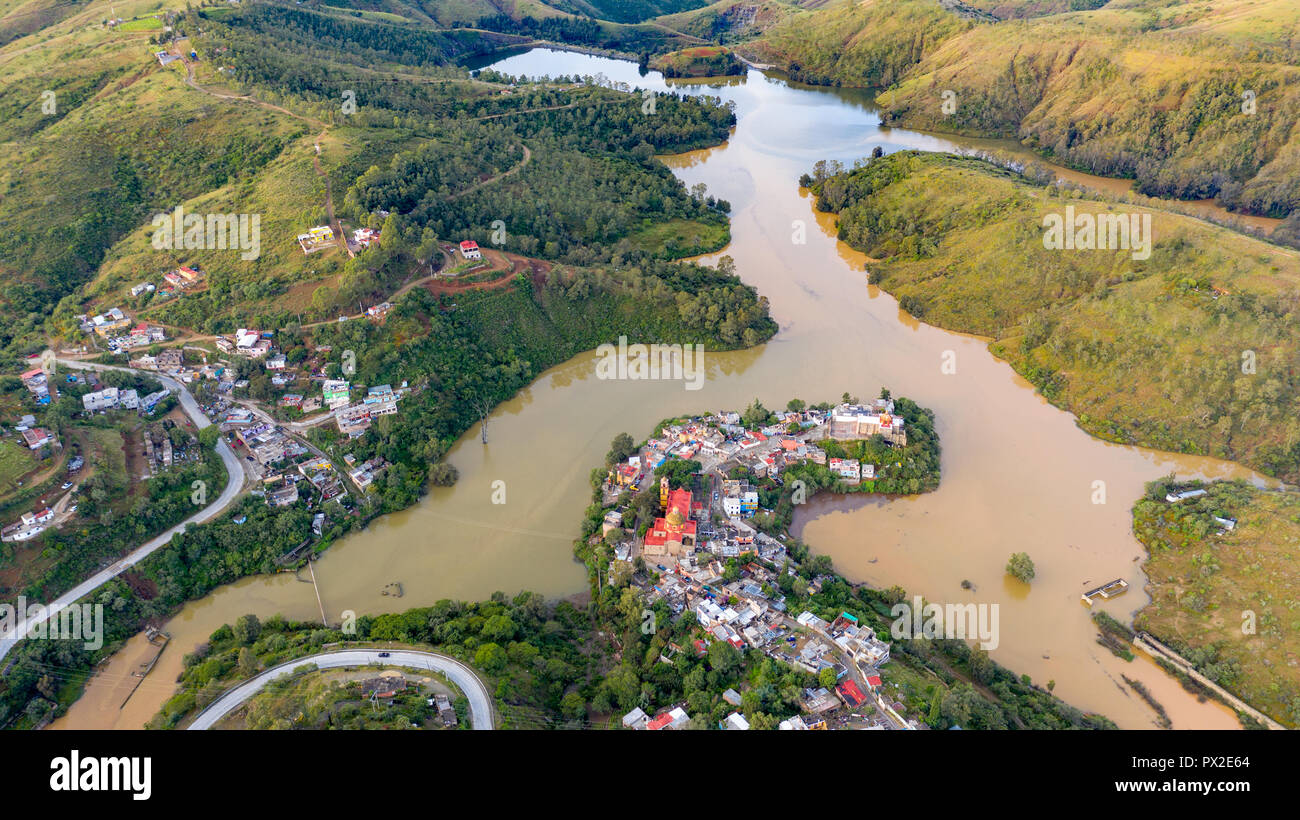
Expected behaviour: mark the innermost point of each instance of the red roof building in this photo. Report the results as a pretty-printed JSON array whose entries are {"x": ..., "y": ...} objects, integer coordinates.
[
  {"x": 675, "y": 529},
  {"x": 660, "y": 722},
  {"x": 851, "y": 694}
]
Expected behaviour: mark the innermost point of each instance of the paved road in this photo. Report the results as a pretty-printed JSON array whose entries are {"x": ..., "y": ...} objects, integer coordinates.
[
  {"x": 234, "y": 484},
  {"x": 480, "y": 705}
]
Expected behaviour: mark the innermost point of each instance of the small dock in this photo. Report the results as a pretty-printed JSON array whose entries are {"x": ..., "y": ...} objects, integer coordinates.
[
  {"x": 159, "y": 641},
  {"x": 1106, "y": 591}
]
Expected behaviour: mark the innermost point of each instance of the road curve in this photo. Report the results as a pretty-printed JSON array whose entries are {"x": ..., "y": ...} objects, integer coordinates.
[
  {"x": 234, "y": 484},
  {"x": 480, "y": 704}
]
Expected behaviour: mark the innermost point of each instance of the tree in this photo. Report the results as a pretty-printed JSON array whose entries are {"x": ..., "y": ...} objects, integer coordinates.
[
  {"x": 572, "y": 706},
  {"x": 208, "y": 436},
  {"x": 620, "y": 448},
  {"x": 826, "y": 677},
  {"x": 1019, "y": 566},
  {"x": 795, "y": 405},
  {"x": 247, "y": 628},
  {"x": 491, "y": 658},
  {"x": 756, "y": 415},
  {"x": 723, "y": 657},
  {"x": 247, "y": 662},
  {"x": 499, "y": 628}
]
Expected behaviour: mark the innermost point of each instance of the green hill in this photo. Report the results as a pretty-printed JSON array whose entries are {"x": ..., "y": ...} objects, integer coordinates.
[
  {"x": 1192, "y": 101},
  {"x": 1189, "y": 350}
]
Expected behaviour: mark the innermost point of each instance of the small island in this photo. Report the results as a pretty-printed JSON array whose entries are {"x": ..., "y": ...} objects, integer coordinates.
[{"x": 703, "y": 61}]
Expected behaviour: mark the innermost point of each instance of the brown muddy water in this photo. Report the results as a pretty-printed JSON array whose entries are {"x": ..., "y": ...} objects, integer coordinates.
[{"x": 1018, "y": 475}]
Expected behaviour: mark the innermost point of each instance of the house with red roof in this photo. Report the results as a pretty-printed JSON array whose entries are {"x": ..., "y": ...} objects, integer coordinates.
[
  {"x": 852, "y": 695},
  {"x": 469, "y": 249},
  {"x": 675, "y": 530}
]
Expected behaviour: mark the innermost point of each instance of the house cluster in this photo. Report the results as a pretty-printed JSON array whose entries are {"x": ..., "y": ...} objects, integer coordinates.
[
  {"x": 162, "y": 450},
  {"x": 110, "y": 398},
  {"x": 286, "y": 467},
  {"x": 37, "y": 382},
  {"x": 170, "y": 360},
  {"x": 721, "y": 441},
  {"x": 354, "y": 419},
  {"x": 689, "y": 544},
  {"x": 30, "y": 525},
  {"x": 34, "y": 437},
  {"x": 674, "y": 718},
  {"x": 858, "y": 421},
  {"x": 321, "y": 236},
  {"x": 114, "y": 327},
  {"x": 182, "y": 278},
  {"x": 365, "y": 473},
  {"x": 251, "y": 344},
  {"x": 365, "y": 237},
  {"x": 105, "y": 324}
]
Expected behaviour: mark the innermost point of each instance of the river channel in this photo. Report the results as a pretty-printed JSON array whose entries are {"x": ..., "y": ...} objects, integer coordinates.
[{"x": 1018, "y": 475}]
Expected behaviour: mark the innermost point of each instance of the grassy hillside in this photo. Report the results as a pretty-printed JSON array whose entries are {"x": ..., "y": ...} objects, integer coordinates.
[
  {"x": 729, "y": 21},
  {"x": 701, "y": 61},
  {"x": 62, "y": 202},
  {"x": 1227, "y": 600},
  {"x": 872, "y": 43},
  {"x": 1193, "y": 101},
  {"x": 961, "y": 245}
]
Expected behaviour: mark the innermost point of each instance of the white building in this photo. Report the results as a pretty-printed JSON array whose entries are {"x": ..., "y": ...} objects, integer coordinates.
[{"x": 105, "y": 399}]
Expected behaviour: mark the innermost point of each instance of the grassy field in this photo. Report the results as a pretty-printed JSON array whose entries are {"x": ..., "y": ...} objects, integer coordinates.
[
  {"x": 16, "y": 461},
  {"x": 1228, "y": 602},
  {"x": 141, "y": 24},
  {"x": 1202, "y": 335},
  {"x": 685, "y": 237}
]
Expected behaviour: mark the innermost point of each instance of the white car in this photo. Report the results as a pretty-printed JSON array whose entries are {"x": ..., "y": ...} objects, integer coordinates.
[{"x": 66, "y": 485}]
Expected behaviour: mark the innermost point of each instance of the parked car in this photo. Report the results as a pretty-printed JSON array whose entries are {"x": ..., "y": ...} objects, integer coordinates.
[{"x": 66, "y": 485}]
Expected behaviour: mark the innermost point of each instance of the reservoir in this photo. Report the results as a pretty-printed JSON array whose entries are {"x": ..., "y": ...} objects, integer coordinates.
[{"x": 1018, "y": 475}]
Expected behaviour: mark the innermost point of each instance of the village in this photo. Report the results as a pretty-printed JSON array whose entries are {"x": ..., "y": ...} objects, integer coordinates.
[{"x": 705, "y": 558}]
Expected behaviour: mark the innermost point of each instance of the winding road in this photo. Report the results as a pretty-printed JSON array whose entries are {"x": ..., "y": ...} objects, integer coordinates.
[
  {"x": 480, "y": 704},
  {"x": 234, "y": 484}
]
